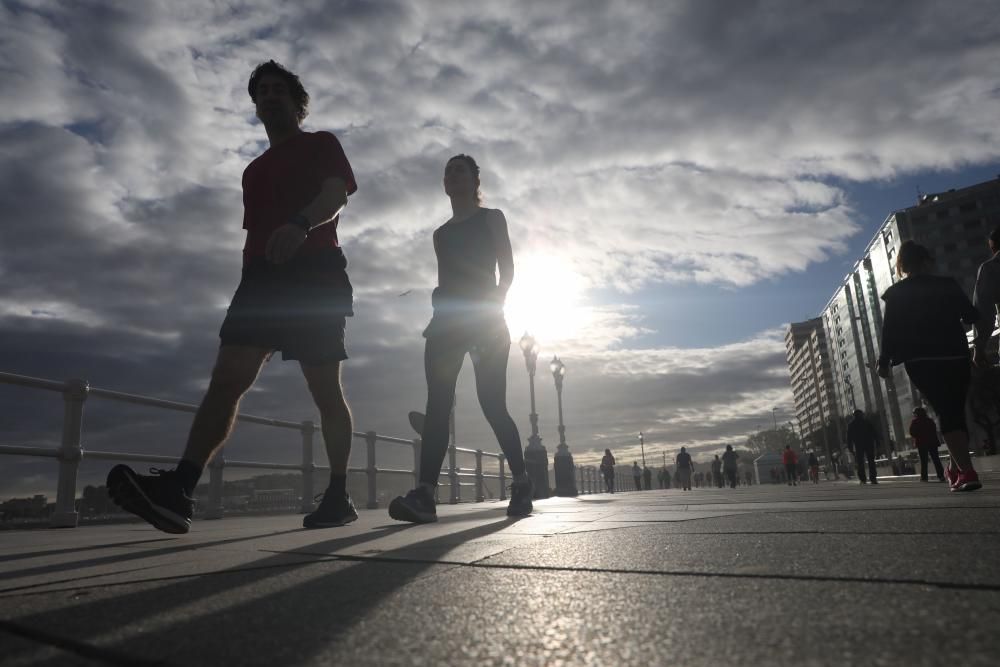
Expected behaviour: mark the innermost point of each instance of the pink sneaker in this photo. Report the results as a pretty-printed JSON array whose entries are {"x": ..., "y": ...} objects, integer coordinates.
[{"x": 967, "y": 481}]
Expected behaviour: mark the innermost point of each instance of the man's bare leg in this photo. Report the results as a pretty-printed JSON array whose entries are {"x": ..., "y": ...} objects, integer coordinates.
[
  {"x": 164, "y": 498},
  {"x": 236, "y": 369},
  {"x": 324, "y": 384},
  {"x": 335, "y": 415}
]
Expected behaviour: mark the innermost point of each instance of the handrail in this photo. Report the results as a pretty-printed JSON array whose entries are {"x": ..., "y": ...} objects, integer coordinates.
[{"x": 76, "y": 392}]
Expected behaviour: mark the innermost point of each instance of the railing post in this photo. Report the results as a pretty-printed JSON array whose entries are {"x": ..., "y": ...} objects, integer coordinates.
[
  {"x": 70, "y": 453},
  {"x": 308, "y": 467},
  {"x": 503, "y": 479},
  {"x": 456, "y": 491},
  {"x": 371, "y": 470},
  {"x": 582, "y": 485},
  {"x": 215, "y": 468},
  {"x": 417, "y": 445},
  {"x": 480, "y": 495}
]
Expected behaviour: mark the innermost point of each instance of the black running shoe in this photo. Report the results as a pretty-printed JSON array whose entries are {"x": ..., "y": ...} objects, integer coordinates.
[
  {"x": 520, "y": 498},
  {"x": 332, "y": 511},
  {"x": 157, "y": 498},
  {"x": 417, "y": 506}
]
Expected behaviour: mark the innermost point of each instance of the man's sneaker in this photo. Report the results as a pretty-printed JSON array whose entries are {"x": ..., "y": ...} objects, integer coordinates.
[
  {"x": 158, "y": 497},
  {"x": 520, "y": 498},
  {"x": 417, "y": 506},
  {"x": 333, "y": 511},
  {"x": 951, "y": 474},
  {"x": 967, "y": 481}
]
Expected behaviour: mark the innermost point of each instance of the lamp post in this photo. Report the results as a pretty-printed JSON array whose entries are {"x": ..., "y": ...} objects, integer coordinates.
[
  {"x": 536, "y": 459},
  {"x": 642, "y": 448},
  {"x": 774, "y": 416},
  {"x": 562, "y": 462}
]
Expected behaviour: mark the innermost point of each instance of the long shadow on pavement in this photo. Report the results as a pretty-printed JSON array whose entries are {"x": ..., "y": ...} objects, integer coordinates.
[{"x": 304, "y": 617}]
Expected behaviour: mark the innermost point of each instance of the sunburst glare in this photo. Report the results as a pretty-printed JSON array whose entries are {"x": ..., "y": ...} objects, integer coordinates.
[{"x": 546, "y": 300}]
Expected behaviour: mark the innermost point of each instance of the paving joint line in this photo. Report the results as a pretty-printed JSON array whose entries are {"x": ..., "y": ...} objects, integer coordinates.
[{"x": 82, "y": 649}]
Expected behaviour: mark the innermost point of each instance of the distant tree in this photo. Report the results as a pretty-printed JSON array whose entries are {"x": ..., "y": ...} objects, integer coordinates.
[{"x": 772, "y": 440}]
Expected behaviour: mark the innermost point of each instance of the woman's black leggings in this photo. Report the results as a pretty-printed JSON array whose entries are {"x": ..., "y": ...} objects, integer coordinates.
[{"x": 442, "y": 363}]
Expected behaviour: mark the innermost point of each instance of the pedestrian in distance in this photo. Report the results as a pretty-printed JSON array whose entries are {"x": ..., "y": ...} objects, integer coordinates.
[
  {"x": 813, "y": 463},
  {"x": 862, "y": 439},
  {"x": 647, "y": 479},
  {"x": 608, "y": 470},
  {"x": 717, "y": 472},
  {"x": 791, "y": 462},
  {"x": 923, "y": 430},
  {"x": 729, "y": 465},
  {"x": 475, "y": 270},
  {"x": 637, "y": 475},
  {"x": 294, "y": 296},
  {"x": 684, "y": 466},
  {"x": 749, "y": 476},
  {"x": 923, "y": 328}
]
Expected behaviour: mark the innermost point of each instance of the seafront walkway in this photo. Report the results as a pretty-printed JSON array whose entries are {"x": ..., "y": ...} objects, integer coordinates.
[{"x": 834, "y": 573}]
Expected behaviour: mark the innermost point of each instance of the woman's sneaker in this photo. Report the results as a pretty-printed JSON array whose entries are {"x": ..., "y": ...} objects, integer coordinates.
[
  {"x": 157, "y": 498},
  {"x": 333, "y": 511},
  {"x": 951, "y": 474},
  {"x": 417, "y": 506},
  {"x": 967, "y": 481},
  {"x": 520, "y": 498}
]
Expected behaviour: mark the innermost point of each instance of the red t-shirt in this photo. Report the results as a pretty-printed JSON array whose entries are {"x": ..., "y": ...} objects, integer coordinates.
[
  {"x": 788, "y": 456},
  {"x": 283, "y": 180}
]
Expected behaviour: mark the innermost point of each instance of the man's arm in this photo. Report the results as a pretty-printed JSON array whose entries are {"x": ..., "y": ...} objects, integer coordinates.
[
  {"x": 985, "y": 297},
  {"x": 326, "y": 206}
]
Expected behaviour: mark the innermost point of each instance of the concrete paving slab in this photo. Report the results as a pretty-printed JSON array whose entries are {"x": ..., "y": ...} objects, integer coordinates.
[{"x": 830, "y": 574}]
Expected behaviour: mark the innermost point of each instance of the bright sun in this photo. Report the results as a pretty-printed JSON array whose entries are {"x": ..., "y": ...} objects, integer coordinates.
[{"x": 545, "y": 300}]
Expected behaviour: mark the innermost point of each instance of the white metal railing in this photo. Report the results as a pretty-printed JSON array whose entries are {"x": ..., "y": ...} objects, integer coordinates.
[{"x": 70, "y": 452}]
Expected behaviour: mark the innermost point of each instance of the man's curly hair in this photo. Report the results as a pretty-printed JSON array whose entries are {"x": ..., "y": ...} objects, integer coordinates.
[{"x": 295, "y": 88}]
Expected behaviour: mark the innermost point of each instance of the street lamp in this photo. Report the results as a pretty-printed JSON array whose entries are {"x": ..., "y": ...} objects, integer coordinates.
[
  {"x": 774, "y": 415},
  {"x": 642, "y": 448},
  {"x": 562, "y": 462},
  {"x": 536, "y": 459}
]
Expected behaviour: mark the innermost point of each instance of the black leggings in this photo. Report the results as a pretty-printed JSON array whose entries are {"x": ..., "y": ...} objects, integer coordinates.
[
  {"x": 442, "y": 362},
  {"x": 945, "y": 385}
]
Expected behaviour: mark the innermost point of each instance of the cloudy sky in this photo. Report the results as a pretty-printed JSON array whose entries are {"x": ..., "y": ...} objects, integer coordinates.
[{"x": 681, "y": 179}]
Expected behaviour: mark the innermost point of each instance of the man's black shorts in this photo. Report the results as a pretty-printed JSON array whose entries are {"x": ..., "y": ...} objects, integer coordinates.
[{"x": 299, "y": 307}]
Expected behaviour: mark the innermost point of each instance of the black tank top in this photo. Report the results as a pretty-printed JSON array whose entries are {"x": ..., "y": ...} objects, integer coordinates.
[{"x": 467, "y": 259}]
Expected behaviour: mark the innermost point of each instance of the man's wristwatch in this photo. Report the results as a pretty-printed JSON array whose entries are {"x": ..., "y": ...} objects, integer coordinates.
[{"x": 302, "y": 223}]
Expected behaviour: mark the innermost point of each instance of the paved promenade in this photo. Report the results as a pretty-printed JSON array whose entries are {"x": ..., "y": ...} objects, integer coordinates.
[{"x": 832, "y": 574}]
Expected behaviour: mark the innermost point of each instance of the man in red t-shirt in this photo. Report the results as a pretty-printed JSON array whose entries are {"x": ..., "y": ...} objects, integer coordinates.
[
  {"x": 294, "y": 296},
  {"x": 791, "y": 461}
]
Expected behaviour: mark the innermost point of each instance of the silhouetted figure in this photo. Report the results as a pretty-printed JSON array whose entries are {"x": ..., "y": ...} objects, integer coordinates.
[
  {"x": 861, "y": 441},
  {"x": 472, "y": 248},
  {"x": 749, "y": 476},
  {"x": 294, "y": 296},
  {"x": 683, "y": 472},
  {"x": 813, "y": 463},
  {"x": 729, "y": 466},
  {"x": 986, "y": 299},
  {"x": 791, "y": 462},
  {"x": 647, "y": 479},
  {"x": 923, "y": 328},
  {"x": 608, "y": 470},
  {"x": 717, "y": 472},
  {"x": 637, "y": 476},
  {"x": 923, "y": 430},
  {"x": 667, "y": 482}
]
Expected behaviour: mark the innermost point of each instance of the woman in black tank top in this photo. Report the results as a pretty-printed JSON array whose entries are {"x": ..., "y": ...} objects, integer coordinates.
[{"x": 468, "y": 319}]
